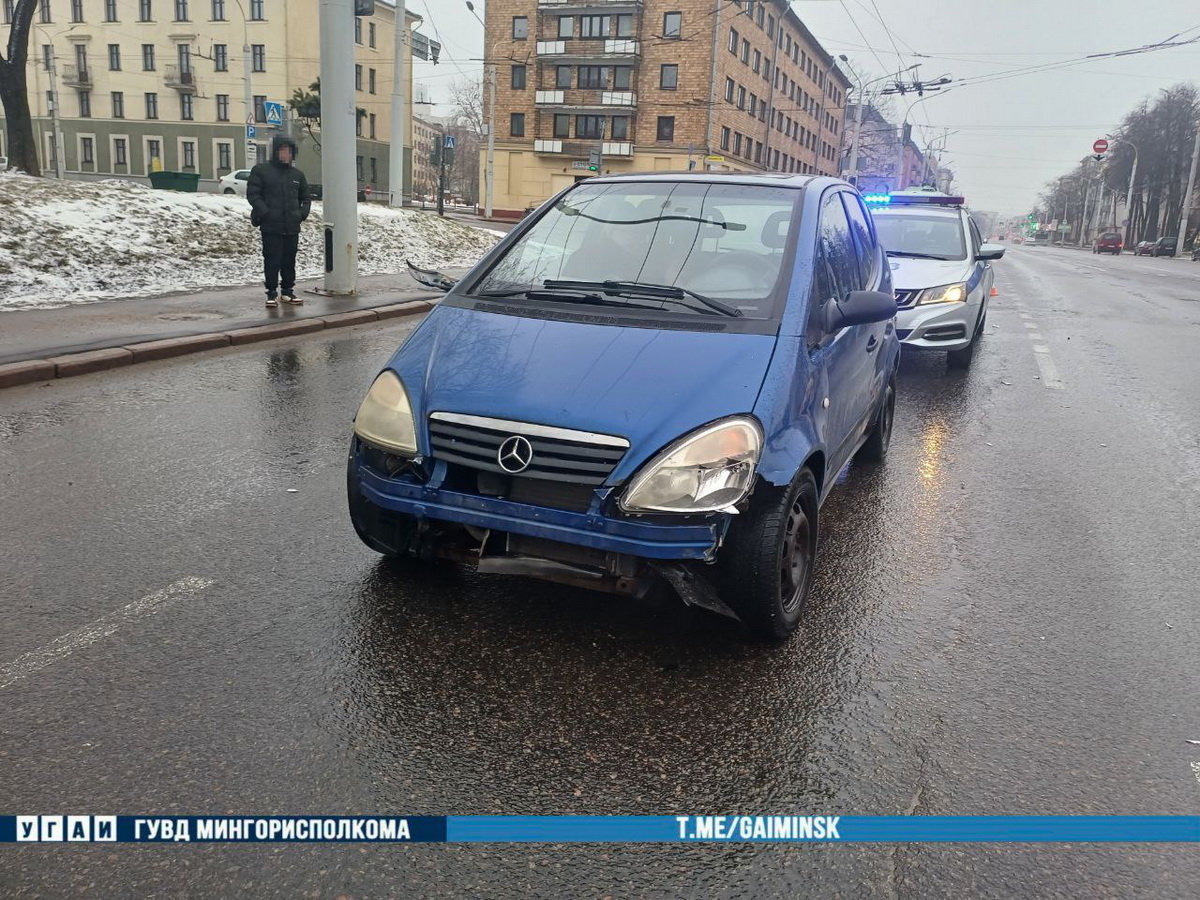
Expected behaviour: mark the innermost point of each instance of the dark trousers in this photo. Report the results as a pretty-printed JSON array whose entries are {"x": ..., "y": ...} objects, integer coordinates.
[{"x": 279, "y": 261}]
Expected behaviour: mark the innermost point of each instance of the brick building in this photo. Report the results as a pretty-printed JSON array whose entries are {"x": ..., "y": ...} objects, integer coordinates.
[{"x": 655, "y": 85}]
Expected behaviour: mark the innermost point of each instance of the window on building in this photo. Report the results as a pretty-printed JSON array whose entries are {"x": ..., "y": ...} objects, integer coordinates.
[
  {"x": 260, "y": 107},
  {"x": 753, "y": 105},
  {"x": 358, "y": 126},
  {"x": 145, "y": 11},
  {"x": 151, "y": 105},
  {"x": 371, "y": 34},
  {"x": 562, "y": 77},
  {"x": 595, "y": 27},
  {"x": 44, "y": 10},
  {"x": 85, "y": 104},
  {"x": 666, "y": 128},
  {"x": 625, "y": 25},
  {"x": 745, "y": 51},
  {"x": 153, "y": 151},
  {"x": 733, "y": 41},
  {"x": 220, "y": 57},
  {"x": 81, "y": 60},
  {"x": 593, "y": 77},
  {"x": 668, "y": 76},
  {"x": 619, "y": 128},
  {"x": 589, "y": 126},
  {"x": 725, "y": 135},
  {"x": 673, "y": 25},
  {"x": 114, "y": 57},
  {"x": 737, "y": 143},
  {"x": 729, "y": 86},
  {"x": 741, "y": 101},
  {"x": 370, "y": 81},
  {"x": 770, "y": 26},
  {"x": 358, "y": 77},
  {"x": 184, "y": 52},
  {"x": 518, "y": 78},
  {"x": 371, "y": 134},
  {"x": 257, "y": 13},
  {"x": 758, "y": 151},
  {"x": 87, "y": 151},
  {"x": 118, "y": 104},
  {"x": 622, "y": 78},
  {"x": 562, "y": 125},
  {"x": 47, "y": 57},
  {"x": 186, "y": 107},
  {"x": 120, "y": 152},
  {"x": 189, "y": 155},
  {"x": 222, "y": 107},
  {"x": 762, "y": 111},
  {"x": 374, "y": 169},
  {"x": 358, "y": 167},
  {"x": 520, "y": 28},
  {"x": 766, "y": 70},
  {"x": 218, "y": 10},
  {"x": 566, "y": 26},
  {"x": 76, "y": 10},
  {"x": 225, "y": 157},
  {"x": 516, "y": 124},
  {"x": 757, "y": 64},
  {"x": 181, "y": 11},
  {"x": 147, "y": 57},
  {"x": 258, "y": 57},
  {"x": 9, "y": 8},
  {"x": 358, "y": 37},
  {"x": 759, "y": 20}
]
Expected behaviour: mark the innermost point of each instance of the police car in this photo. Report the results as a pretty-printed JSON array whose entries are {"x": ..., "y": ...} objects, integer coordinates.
[{"x": 940, "y": 268}]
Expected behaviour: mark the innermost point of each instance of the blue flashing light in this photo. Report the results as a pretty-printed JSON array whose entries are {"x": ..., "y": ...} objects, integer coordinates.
[{"x": 877, "y": 199}]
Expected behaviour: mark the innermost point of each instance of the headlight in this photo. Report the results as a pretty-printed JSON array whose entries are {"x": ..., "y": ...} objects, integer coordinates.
[
  {"x": 385, "y": 418},
  {"x": 703, "y": 472},
  {"x": 947, "y": 293}
]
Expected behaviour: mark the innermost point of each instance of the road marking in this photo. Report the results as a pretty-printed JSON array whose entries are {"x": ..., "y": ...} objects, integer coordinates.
[
  {"x": 105, "y": 626},
  {"x": 1045, "y": 364},
  {"x": 1026, "y": 315},
  {"x": 1033, "y": 336},
  {"x": 1029, "y": 324}
]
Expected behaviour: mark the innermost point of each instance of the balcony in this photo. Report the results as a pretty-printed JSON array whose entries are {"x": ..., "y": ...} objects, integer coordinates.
[
  {"x": 581, "y": 148},
  {"x": 183, "y": 80},
  {"x": 584, "y": 49},
  {"x": 581, "y": 5},
  {"x": 77, "y": 76},
  {"x": 586, "y": 99}
]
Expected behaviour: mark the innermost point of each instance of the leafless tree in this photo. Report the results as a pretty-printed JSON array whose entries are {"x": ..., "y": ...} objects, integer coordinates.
[{"x": 14, "y": 91}]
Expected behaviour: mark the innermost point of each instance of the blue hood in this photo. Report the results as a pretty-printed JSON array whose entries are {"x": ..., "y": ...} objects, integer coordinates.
[{"x": 645, "y": 385}]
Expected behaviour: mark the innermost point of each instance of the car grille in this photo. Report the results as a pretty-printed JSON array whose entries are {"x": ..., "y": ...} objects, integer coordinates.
[
  {"x": 559, "y": 454},
  {"x": 905, "y": 299}
]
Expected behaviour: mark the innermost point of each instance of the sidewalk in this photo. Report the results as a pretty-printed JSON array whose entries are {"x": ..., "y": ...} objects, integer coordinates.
[{"x": 36, "y": 345}]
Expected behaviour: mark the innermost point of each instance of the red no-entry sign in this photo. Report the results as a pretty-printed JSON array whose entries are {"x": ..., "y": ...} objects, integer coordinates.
[{"x": 1101, "y": 146}]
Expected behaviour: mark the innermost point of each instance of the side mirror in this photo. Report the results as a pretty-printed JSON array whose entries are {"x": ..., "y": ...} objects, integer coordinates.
[
  {"x": 430, "y": 277},
  {"x": 989, "y": 251},
  {"x": 862, "y": 308}
]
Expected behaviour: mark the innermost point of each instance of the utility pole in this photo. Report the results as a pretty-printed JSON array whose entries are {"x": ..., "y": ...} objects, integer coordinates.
[
  {"x": 1187, "y": 197},
  {"x": 442, "y": 172},
  {"x": 491, "y": 148},
  {"x": 247, "y": 67},
  {"x": 399, "y": 110},
  {"x": 58, "y": 138},
  {"x": 1129, "y": 198},
  {"x": 338, "y": 120}
]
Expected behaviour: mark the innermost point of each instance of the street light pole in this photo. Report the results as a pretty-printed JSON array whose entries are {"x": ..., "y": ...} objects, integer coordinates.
[
  {"x": 490, "y": 173},
  {"x": 1187, "y": 197},
  {"x": 338, "y": 120},
  {"x": 52, "y": 69},
  {"x": 247, "y": 88},
  {"x": 399, "y": 110}
]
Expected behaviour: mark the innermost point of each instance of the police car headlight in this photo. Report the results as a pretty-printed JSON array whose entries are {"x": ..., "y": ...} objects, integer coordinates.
[
  {"x": 947, "y": 293},
  {"x": 703, "y": 472},
  {"x": 385, "y": 417}
]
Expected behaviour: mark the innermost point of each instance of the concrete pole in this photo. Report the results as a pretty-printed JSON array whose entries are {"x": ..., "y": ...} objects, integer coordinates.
[
  {"x": 399, "y": 110},
  {"x": 900, "y": 160},
  {"x": 858, "y": 114},
  {"x": 1129, "y": 200},
  {"x": 1187, "y": 197},
  {"x": 247, "y": 67},
  {"x": 338, "y": 145},
  {"x": 59, "y": 149},
  {"x": 490, "y": 171}
]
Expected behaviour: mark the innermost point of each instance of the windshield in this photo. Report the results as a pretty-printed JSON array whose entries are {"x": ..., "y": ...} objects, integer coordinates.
[
  {"x": 721, "y": 241},
  {"x": 936, "y": 236}
]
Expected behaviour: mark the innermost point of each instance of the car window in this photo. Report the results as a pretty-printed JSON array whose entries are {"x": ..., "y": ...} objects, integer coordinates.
[
  {"x": 926, "y": 234},
  {"x": 865, "y": 244},
  {"x": 836, "y": 267},
  {"x": 976, "y": 239},
  {"x": 242, "y": 176}
]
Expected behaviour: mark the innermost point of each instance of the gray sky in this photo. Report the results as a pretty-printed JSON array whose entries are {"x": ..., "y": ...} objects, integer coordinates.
[{"x": 1012, "y": 134}]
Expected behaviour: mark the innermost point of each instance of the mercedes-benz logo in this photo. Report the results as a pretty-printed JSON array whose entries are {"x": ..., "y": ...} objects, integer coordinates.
[{"x": 515, "y": 454}]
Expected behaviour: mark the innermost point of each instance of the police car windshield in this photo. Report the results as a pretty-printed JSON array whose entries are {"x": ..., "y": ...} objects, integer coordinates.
[
  {"x": 720, "y": 241},
  {"x": 927, "y": 235}
]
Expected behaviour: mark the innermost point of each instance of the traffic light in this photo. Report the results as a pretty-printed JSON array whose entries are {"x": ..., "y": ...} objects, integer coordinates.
[
  {"x": 593, "y": 160},
  {"x": 364, "y": 7}
]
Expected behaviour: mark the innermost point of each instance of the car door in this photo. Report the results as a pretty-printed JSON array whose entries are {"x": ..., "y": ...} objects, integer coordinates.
[
  {"x": 836, "y": 354},
  {"x": 873, "y": 275},
  {"x": 983, "y": 270}
]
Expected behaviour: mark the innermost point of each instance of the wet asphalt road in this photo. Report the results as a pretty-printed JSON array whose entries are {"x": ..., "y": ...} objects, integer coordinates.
[{"x": 1004, "y": 621}]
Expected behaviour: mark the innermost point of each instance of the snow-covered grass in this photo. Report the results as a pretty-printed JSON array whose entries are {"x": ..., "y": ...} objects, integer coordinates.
[{"x": 78, "y": 242}]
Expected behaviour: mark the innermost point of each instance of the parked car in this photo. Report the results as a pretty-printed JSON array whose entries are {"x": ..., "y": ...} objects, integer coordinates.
[
  {"x": 234, "y": 182},
  {"x": 1109, "y": 242},
  {"x": 942, "y": 270},
  {"x": 644, "y": 382},
  {"x": 1144, "y": 248},
  {"x": 1164, "y": 246},
  {"x": 1196, "y": 252}
]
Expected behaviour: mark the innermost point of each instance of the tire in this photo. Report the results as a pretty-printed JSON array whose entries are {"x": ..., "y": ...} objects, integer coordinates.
[
  {"x": 768, "y": 559},
  {"x": 230, "y": 191},
  {"x": 876, "y": 447}
]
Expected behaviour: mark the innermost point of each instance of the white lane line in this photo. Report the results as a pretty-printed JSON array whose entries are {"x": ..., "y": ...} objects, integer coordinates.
[
  {"x": 1029, "y": 324},
  {"x": 1034, "y": 336},
  {"x": 1045, "y": 364},
  {"x": 1026, "y": 315},
  {"x": 62, "y": 647}
]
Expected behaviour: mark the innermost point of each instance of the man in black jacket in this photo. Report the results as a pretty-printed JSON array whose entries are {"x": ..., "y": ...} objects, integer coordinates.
[{"x": 279, "y": 199}]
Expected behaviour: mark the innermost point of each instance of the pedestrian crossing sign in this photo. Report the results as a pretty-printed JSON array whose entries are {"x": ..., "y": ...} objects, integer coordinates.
[{"x": 274, "y": 113}]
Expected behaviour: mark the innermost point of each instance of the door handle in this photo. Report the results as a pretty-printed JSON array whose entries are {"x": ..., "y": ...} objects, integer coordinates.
[{"x": 872, "y": 344}]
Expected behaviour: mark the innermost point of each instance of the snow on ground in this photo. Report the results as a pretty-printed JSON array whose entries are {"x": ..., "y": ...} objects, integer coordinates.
[{"x": 80, "y": 242}]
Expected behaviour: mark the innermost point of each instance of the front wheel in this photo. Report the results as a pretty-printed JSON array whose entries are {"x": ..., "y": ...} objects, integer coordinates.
[
  {"x": 769, "y": 557},
  {"x": 880, "y": 438}
]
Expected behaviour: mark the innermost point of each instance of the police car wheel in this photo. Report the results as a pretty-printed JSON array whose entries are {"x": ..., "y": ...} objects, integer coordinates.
[
  {"x": 961, "y": 359},
  {"x": 768, "y": 560}
]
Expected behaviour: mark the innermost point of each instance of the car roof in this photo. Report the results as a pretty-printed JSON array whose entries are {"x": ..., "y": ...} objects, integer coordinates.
[{"x": 765, "y": 179}]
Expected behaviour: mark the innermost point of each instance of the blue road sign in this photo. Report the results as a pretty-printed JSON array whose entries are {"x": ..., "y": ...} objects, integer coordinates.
[
  {"x": 274, "y": 113},
  {"x": 449, "y": 144},
  {"x": 251, "y": 132}
]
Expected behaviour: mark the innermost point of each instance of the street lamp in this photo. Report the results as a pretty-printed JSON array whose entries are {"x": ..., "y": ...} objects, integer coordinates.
[
  {"x": 490, "y": 169},
  {"x": 249, "y": 91},
  {"x": 1129, "y": 192},
  {"x": 52, "y": 68}
]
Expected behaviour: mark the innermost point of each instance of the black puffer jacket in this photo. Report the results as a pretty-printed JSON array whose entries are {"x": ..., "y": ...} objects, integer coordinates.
[{"x": 278, "y": 192}]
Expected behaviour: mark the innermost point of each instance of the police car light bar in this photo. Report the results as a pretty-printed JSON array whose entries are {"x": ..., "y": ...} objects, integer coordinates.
[
  {"x": 925, "y": 199},
  {"x": 877, "y": 199}
]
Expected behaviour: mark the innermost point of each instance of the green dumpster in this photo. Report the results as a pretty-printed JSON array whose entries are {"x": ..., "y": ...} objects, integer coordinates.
[{"x": 175, "y": 181}]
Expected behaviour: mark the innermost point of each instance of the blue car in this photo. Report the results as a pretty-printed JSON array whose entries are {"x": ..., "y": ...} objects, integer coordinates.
[{"x": 655, "y": 378}]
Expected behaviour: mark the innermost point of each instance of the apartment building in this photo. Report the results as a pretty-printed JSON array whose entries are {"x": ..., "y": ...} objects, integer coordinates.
[
  {"x": 655, "y": 85},
  {"x": 142, "y": 83}
]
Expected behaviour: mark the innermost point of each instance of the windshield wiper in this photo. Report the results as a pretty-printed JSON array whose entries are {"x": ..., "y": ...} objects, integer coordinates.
[
  {"x": 561, "y": 296},
  {"x": 911, "y": 255},
  {"x": 667, "y": 292}
]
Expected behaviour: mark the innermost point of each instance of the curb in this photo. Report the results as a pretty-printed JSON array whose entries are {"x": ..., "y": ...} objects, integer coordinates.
[{"x": 31, "y": 370}]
